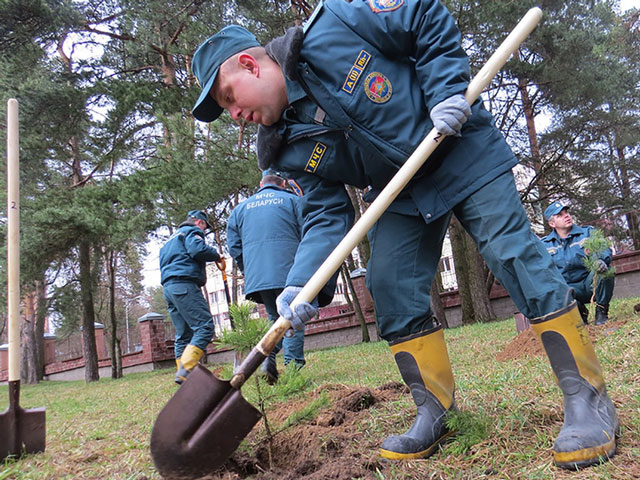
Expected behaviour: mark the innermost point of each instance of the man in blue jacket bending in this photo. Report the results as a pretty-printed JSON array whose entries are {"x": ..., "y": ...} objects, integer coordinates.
[
  {"x": 263, "y": 234},
  {"x": 346, "y": 100},
  {"x": 183, "y": 261},
  {"x": 565, "y": 244}
]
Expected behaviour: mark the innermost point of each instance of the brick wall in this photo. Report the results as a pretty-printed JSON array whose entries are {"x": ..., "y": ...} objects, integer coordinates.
[
  {"x": 627, "y": 267},
  {"x": 336, "y": 325}
]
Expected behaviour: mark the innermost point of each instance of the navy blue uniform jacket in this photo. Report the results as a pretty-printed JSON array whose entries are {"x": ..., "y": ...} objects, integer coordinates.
[
  {"x": 185, "y": 256},
  {"x": 263, "y": 234},
  {"x": 568, "y": 254},
  {"x": 361, "y": 81}
]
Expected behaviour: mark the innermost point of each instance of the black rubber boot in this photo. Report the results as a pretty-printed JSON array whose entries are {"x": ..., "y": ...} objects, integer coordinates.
[
  {"x": 424, "y": 364},
  {"x": 588, "y": 435},
  {"x": 602, "y": 314},
  {"x": 269, "y": 368}
]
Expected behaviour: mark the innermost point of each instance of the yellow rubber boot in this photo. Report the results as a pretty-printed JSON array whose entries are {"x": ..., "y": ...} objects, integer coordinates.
[
  {"x": 588, "y": 435},
  {"x": 188, "y": 361},
  {"x": 423, "y": 361}
]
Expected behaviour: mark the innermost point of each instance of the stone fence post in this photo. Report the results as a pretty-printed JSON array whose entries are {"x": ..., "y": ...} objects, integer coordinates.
[{"x": 152, "y": 337}]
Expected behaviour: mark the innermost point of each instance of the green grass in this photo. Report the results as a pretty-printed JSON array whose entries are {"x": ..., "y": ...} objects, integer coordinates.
[{"x": 511, "y": 411}]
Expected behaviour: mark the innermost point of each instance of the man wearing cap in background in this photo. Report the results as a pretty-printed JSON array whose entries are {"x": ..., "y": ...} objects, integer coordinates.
[
  {"x": 183, "y": 260},
  {"x": 263, "y": 234},
  {"x": 346, "y": 100},
  {"x": 565, "y": 244}
]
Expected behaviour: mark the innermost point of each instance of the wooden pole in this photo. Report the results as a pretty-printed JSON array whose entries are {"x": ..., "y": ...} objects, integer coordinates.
[{"x": 13, "y": 238}]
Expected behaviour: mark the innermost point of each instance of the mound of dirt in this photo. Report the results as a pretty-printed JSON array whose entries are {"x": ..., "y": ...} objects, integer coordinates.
[
  {"x": 301, "y": 452},
  {"x": 526, "y": 343}
]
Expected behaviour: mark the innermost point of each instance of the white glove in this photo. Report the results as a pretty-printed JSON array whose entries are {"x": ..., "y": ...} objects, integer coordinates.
[
  {"x": 449, "y": 115},
  {"x": 303, "y": 312}
]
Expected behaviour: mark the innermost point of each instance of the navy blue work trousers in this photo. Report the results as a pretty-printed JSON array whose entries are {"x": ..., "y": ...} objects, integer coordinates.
[
  {"x": 405, "y": 252},
  {"x": 190, "y": 315},
  {"x": 604, "y": 290}
]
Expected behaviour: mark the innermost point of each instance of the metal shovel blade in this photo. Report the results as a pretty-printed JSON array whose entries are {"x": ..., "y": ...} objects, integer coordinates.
[
  {"x": 200, "y": 426},
  {"x": 23, "y": 431}
]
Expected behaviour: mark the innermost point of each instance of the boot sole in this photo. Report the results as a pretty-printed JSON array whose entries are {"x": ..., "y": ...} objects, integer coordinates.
[
  {"x": 390, "y": 455},
  {"x": 585, "y": 457}
]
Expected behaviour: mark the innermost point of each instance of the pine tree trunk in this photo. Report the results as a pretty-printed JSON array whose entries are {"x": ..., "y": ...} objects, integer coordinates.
[
  {"x": 363, "y": 247},
  {"x": 534, "y": 145},
  {"x": 28, "y": 371},
  {"x": 114, "y": 340},
  {"x": 41, "y": 316},
  {"x": 458, "y": 247},
  {"x": 352, "y": 300},
  {"x": 482, "y": 309},
  {"x": 91, "y": 373},
  {"x": 436, "y": 301}
]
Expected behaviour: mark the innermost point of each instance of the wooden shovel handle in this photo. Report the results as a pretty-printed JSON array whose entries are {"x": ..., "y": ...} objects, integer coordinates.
[
  {"x": 13, "y": 239},
  {"x": 481, "y": 80}
]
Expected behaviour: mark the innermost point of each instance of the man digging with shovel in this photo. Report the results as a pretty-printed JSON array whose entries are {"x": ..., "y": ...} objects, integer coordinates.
[{"x": 345, "y": 101}]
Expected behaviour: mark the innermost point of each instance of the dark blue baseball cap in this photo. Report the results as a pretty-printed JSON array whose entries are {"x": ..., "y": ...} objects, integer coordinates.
[
  {"x": 200, "y": 215},
  {"x": 273, "y": 171},
  {"x": 206, "y": 63},
  {"x": 554, "y": 209}
]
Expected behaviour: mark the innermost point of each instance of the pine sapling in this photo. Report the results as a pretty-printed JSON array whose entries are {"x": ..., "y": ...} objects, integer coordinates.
[
  {"x": 594, "y": 247},
  {"x": 246, "y": 334}
]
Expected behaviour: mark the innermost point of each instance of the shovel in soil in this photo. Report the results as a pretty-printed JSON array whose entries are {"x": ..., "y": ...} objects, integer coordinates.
[
  {"x": 205, "y": 421},
  {"x": 22, "y": 431}
]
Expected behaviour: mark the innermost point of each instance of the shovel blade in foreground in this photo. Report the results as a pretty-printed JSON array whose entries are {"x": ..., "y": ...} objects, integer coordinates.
[
  {"x": 23, "y": 431},
  {"x": 200, "y": 426}
]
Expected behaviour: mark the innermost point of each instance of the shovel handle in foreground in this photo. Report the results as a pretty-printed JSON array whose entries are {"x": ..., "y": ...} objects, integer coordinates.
[
  {"x": 481, "y": 80},
  {"x": 207, "y": 418},
  {"x": 21, "y": 431}
]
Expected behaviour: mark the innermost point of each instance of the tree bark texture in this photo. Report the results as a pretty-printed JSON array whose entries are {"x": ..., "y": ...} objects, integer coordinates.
[
  {"x": 363, "y": 247},
  {"x": 456, "y": 234},
  {"x": 436, "y": 302},
  {"x": 352, "y": 300},
  {"x": 114, "y": 340},
  {"x": 90, "y": 351},
  {"x": 471, "y": 276},
  {"x": 41, "y": 315},
  {"x": 28, "y": 371}
]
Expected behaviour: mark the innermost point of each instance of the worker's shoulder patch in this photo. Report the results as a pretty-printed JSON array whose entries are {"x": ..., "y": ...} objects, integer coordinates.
[
  {"x": 378, "y": 6},
  {"x": 316, "y": 156},
  {"x": 297, "y": 189},
  {"x": 356, "y": 70}
]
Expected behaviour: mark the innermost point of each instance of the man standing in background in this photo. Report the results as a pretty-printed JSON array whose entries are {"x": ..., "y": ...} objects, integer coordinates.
[
  {"x": 263, "y": 234},
  {"x": 183, "y": 261}
]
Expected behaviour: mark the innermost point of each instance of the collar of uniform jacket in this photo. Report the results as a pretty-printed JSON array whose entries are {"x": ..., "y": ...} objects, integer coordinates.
[
  {"x": 284, "y": 50},
  {"x": 575, "y": 230}
]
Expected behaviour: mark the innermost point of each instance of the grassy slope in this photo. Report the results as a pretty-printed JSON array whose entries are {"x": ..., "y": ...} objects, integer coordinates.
[{"x": 101, "y": 430}]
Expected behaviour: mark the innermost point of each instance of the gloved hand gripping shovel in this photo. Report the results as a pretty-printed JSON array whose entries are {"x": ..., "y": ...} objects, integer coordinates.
[
  {"x": 21, "y": 431},
  {"x": 205, "y": 421}
]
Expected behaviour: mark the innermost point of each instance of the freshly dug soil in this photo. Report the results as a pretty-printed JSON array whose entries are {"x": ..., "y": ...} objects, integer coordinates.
[
  {"x": 526, "y": 343},
  {"x": 301, "y": 452}
]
